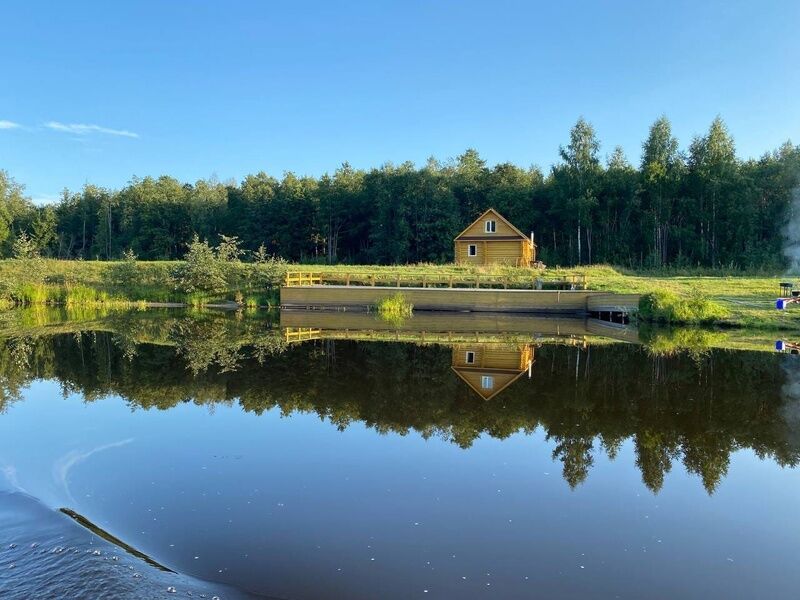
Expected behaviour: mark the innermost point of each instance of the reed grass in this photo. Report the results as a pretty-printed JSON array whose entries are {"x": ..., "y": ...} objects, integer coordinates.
[{"x": 395, "y": 308}]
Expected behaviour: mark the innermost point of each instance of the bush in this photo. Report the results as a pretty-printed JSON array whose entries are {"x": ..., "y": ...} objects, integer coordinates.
[
  {"x": 124, "y": 273},
  {"x": 668, "y": 307},
  {"x": 24, "y": 247},
  {"x": 201, "y": 270},
  {"x": 268, "y": 274}
]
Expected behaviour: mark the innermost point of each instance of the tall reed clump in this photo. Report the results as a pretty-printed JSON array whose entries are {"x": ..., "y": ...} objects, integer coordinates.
[
  {"x": 395, "y": 307},
  {"x": 668, "y": 307},
  {"x": 81, "y": 294},
  {"x": 30, "y": 293}
]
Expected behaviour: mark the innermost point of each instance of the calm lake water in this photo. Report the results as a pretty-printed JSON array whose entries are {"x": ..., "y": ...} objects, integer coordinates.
[{"x": 209, "y": 456}]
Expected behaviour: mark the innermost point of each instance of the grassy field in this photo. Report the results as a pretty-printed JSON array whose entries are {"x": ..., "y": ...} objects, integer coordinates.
[
  {"x": 746, "y": 300},
  {"x": 59, "y": 282}
]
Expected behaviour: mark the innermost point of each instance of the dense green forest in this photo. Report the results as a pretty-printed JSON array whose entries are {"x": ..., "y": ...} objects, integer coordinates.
[{"x": 701, "y": 206}]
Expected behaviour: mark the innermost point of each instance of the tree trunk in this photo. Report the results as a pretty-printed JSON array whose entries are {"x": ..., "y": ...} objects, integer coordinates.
[
  {"x": 589, "y": 242},
  {"x": 108, "y": 253}
]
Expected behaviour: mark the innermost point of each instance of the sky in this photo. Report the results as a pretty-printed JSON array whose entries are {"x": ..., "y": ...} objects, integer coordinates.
[{"x": 99, "y": 92}]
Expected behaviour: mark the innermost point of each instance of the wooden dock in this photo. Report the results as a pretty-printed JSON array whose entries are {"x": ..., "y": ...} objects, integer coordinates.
[{"x": 574, "y": 302}]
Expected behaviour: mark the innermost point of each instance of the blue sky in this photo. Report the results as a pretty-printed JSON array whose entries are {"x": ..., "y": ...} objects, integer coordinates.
[{"x": 194, "y": 89}]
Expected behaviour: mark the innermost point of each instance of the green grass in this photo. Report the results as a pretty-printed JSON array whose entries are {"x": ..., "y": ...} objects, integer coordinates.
[
  {"x": 746, "y": 298},
  {"x": 57, "y": 282}
]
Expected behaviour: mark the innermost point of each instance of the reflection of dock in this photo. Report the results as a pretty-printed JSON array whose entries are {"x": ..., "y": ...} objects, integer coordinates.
[{"x": 432, "y": 327}]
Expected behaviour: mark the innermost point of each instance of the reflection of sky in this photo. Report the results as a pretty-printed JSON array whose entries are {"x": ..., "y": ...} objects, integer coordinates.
[
  {"x": 293, "y": 507},
  {"x": 65, "y": 464}
]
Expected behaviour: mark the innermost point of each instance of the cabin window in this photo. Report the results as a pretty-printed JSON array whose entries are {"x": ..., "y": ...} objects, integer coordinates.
[
  {"x": 470, "y": 358},
  {"x": 472, "y": 250},
  {"x": 487, "y": 382},
  {"x": 491, "y": 226}
]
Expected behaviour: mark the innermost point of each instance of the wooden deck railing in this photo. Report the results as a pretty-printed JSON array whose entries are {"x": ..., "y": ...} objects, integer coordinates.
[
  {"x": 424, "y": 280},
  {"x": 302, "y": 334},
  {"x": 294, "y": 278}
]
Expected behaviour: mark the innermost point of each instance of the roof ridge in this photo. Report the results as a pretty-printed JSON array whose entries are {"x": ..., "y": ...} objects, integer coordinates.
[{"x": 501, "y": 217}]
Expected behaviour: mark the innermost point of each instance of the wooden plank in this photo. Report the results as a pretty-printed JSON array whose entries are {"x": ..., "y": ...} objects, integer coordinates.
[
  {"x": 497, "y": 300},
  {"x": 626, "y": 303}
]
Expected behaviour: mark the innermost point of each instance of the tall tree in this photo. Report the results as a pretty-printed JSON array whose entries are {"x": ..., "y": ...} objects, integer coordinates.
[
  {"x": 712, "y": 176},
  {"x": 618, "y": 211},
  {"x": 579, "y": 176},
  {"x": 661, "y": 169},
  {"x": 16, "y": 210},
  {"x": 341, "y": 210}
]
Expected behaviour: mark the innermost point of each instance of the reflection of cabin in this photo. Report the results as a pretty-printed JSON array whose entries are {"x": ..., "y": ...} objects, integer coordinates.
[
  {"x": 491, "y": 239},
  {"x": 490, "y": 368}
]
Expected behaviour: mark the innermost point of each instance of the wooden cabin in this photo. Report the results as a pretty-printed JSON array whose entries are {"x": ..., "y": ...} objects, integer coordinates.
[
  {"x": 493, "y": 240},
  {"x": 490, "y": 368}
]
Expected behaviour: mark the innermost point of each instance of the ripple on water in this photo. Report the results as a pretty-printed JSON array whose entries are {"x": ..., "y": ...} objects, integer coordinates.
[{"x": 47, "y": 555}]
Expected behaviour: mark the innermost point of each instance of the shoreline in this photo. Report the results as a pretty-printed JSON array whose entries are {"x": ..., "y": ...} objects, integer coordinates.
[{"x": 737, "y": 300}]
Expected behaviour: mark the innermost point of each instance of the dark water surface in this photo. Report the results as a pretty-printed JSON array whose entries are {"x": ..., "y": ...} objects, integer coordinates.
[{"x": 373, "y": 469}]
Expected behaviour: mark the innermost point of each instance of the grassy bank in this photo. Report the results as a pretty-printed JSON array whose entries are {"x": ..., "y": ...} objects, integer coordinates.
[
  {"x": 730, "y": 299},
  {"x": 131, "y": 283},
  {"x": 712, "y": 297}
]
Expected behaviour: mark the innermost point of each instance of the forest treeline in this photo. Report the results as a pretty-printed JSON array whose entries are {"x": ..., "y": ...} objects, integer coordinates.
[{"x": 701, "y": 206}]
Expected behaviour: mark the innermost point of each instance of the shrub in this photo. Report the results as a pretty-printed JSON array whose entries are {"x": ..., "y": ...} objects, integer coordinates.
[
  {"x": 229, "y": 249},
  {"x": 668, "y": 307},
  {"x": 124, "y": 273},
  {"x": 201, "y": 270},
  {"x": 24, "y": 247}
]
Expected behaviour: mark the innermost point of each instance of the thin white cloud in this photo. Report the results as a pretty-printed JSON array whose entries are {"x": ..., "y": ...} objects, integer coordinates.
[
  {"x": 9, "y": 125},
  {"x": 65, "y": 464},
  {"x": 86, "y": 129}
]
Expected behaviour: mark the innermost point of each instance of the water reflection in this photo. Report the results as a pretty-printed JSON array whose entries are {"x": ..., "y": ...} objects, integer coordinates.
[
  {"x": 488, "y": 369},
  {"x": 589, "y": 398}
]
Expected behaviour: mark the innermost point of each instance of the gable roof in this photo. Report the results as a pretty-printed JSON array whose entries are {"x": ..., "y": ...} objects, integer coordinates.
[
  {"x": 498, "y": 216},
  {"x": 482, "y": 393}
]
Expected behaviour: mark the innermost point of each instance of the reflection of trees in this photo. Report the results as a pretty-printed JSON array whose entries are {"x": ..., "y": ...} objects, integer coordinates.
[
  {"x": 575, "y": 453},
  {"x": 14, "y": 369},
  {"x": 693, "y": 409},
  {"x": 655, "y": 451}
]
